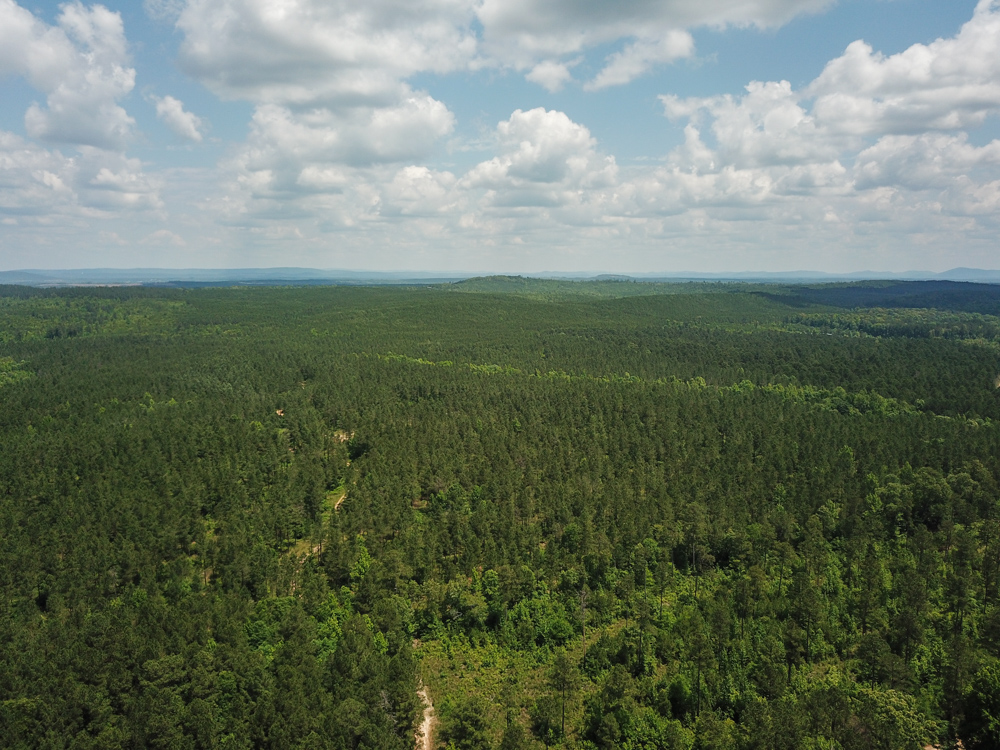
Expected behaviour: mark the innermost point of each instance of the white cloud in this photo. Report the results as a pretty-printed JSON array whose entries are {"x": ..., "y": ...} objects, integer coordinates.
[
  {"x": 979, "y": 200},
  {"x": 183, "y": 123},
  {"x": 568, "y": 26},
  {"x": 328, "y": 83},
  {"x": 767, "y": 126},
  {"x": 163, "y": 237},
  {"x": 924, "y": 162},
  {"x": 948, "y": 84},
  {"x": 867, "y": 131},
  {"x": 302, "y": 146},
  {"x": 522, "y": 32},
  {"x": 547, "y": 172},
  {"x": 321, "y": 51},
  {"x": 339, "y": 144},
  {"x": 334, "y": 116},
  {"x": 34, "y": 181},
  {"x": 771, "y": 166},
  {"x": 550, "y": 75},
  {"x": 81, "y": 64},
  {"x": 543, "y": 156},
  {"x": 115, "y": 183},
  {"x": 419, "y": 191},
  {"x": 640, "y": 56},
  {"x": 45, "y": 184},
  {"x": 324, "y": 179},
  {"x": 324, "y": 166}
]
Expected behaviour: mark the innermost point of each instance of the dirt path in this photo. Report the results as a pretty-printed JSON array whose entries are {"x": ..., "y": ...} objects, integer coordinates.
[
  {"x": 340, "y": 500},
  {"x": 425, "y": 732}
]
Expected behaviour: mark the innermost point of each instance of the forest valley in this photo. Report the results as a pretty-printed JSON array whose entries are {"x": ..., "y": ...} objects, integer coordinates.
[{"x": 601, "y": 514}]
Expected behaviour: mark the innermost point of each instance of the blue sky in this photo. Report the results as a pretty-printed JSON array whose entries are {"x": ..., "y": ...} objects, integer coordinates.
[{"x": 501, "y": 135}]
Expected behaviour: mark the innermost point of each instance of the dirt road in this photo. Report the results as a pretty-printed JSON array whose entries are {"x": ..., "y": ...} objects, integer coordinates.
[{"x": 425, "y": 732}]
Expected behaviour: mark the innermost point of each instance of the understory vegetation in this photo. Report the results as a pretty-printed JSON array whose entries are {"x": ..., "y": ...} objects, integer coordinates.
[{"x": 581, "y": 515}]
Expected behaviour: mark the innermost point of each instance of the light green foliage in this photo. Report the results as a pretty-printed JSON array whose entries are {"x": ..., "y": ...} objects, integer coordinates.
[
  {"x": 981, "y": 717},
  {"x": 12, "y": 371}
]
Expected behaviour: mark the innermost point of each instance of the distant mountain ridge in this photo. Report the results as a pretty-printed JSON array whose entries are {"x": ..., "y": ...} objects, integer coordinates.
[
  {"x": 214, "y": 276},
  {"x": 309, "y": 276},
  {"x": 954, "y": 274}
]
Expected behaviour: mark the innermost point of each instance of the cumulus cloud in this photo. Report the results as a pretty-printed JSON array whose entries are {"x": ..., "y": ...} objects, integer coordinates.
[
  {"x": 419, "y": 191},
  {"x": 550, "y": 75},
  {"x": 548, "y": 173},
  {"x": 34, "y": 181},
  {"x": 321, "y": 52},
  {"x": 183, "y": 123},
  {"x": 115, "y": 183},
  {"x": 765, "y": 158},
  {"x": 81, "y": 64},
  {"x": 318, "y": 51},
  {"x": 948, "y": 84},
  {"x": 307, "y": 151},
  {"x": 547, "y": 168},
  {"x": 640, "y": 56},
  {"x": 927, "y": 161},
  {"x": 557, "y": 16},
  {"x": 43, "y": 183},
  {"x": 111, "y": 238},
  {"x": 780, "y": 159},
  {"x": 522, "y": 32},
  {"x": 767, "y": 126},
  {"x": 328, "y": 168},
  {"x": 542, "y": 150},
  {"x": 979, "y": 200},
  {"x": 339, "y": 141},
  {"x": 333, "y": 109},
  {"x": 877, "y": 130},
  {"x": 327, "y": 80}
]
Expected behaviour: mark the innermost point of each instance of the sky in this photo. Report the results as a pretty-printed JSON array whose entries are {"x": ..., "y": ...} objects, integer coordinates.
[{"x": 516, "y": 136}]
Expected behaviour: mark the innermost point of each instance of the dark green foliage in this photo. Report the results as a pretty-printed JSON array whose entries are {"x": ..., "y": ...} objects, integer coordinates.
[
  {"x": 941, "y": 295},
  {"x": 980, "y": 726},
  {"x": 514, "y": 738},
  {"x": 465, "y": 726}
]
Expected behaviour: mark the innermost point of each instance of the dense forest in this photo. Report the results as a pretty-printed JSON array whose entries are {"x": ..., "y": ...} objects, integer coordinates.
[{"x": 568, "y": 515}]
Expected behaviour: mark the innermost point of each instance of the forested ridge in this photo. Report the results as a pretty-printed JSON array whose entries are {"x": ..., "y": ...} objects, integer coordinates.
[{"x": 581, "y": 515}]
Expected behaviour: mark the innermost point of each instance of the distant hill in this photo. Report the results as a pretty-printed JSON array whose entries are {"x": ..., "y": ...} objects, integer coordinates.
[
  {"x": 218, "y": 277},
  {"x": 21, "y": 277},
  {"x": 615, "y": 287}
]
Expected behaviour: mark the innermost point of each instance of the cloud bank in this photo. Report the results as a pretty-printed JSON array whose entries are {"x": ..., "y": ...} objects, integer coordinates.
[
  {"x": 344, "y": 149},
  {"x": 873, "y": 141}
]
